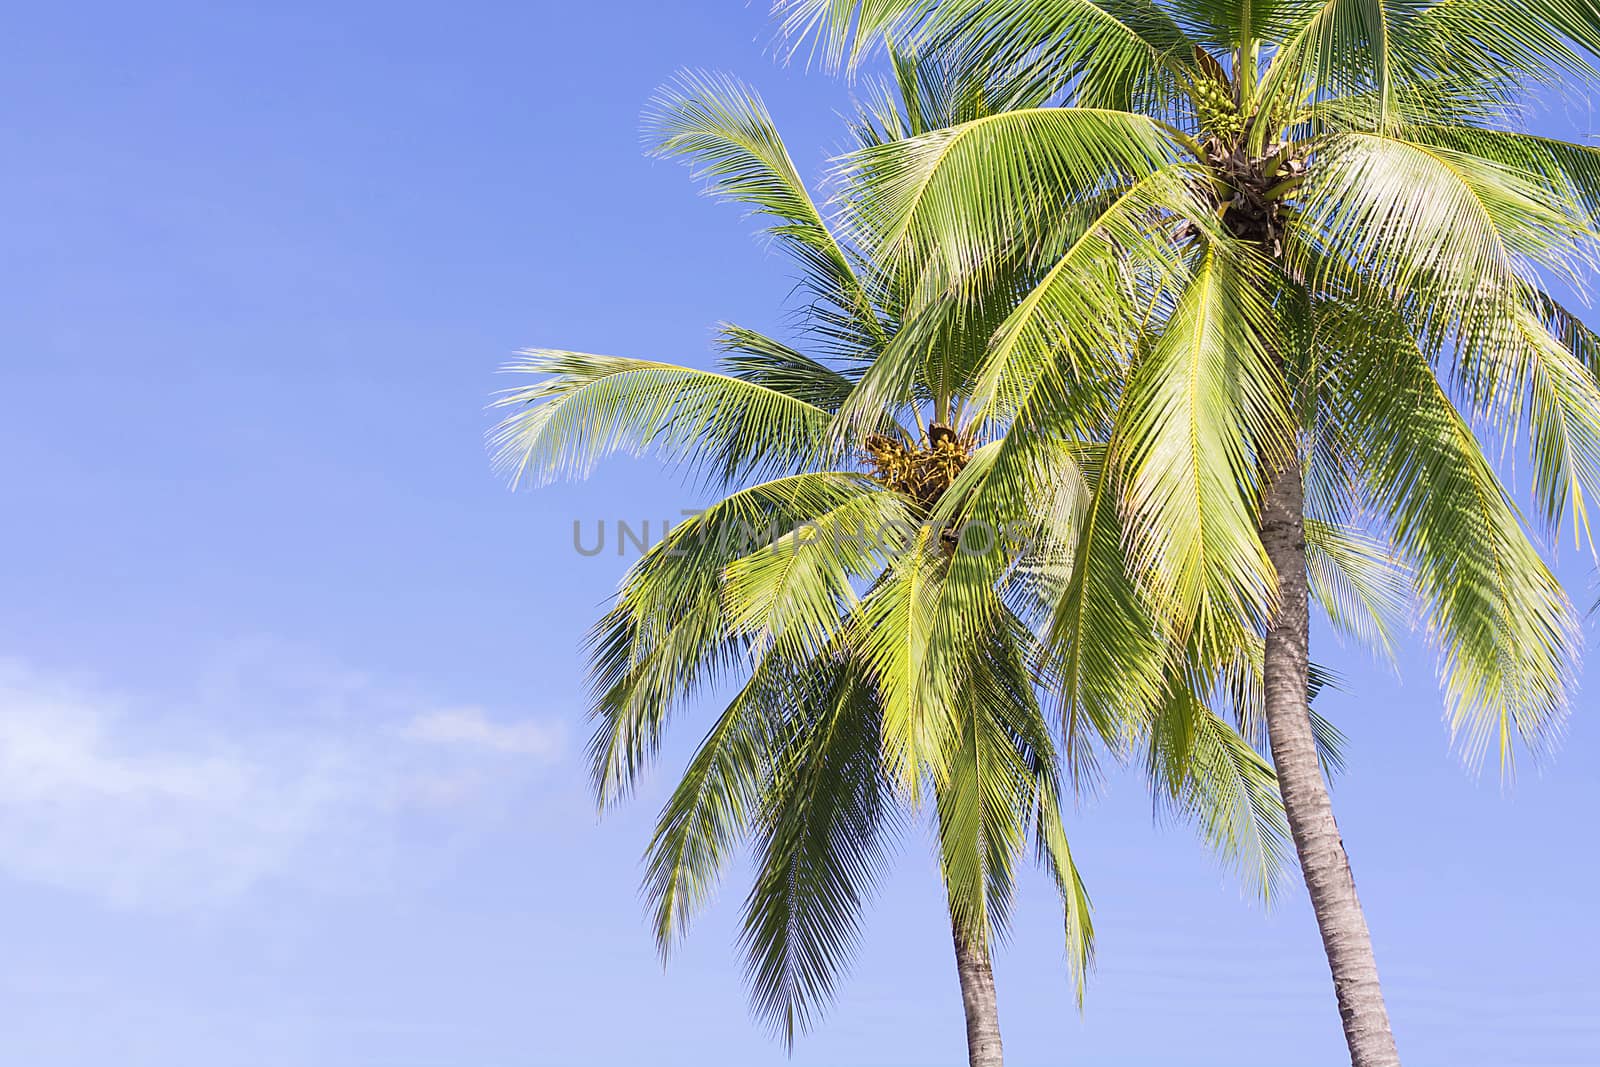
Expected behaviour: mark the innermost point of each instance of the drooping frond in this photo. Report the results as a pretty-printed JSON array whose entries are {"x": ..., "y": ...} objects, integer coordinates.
[
  {"x": 1240, "y": 684},
  {"x": 1203, "y": 770},
  {"x": 1055, "y": 854},
  {"x": 1450, "y": 230},
  {"x": 669, "y": 636},
  {"x": 1204, "y": 413},
  {"x": 894, "y": 626},
  {"x": 1356, "y": 580},
  {"x": 1520, "y": 374},
  {"x": 1111, "y": 654},
  {"x": 819, "y": 851},
  {"x": 1016, "y": 677},
  {"x": 1568, "y": 173},
  {"x": 982, "y": 803},
  {"x": 715, "y": 803},
  {"x": 641, "y": 671},
  {"x": 1567, "y": 328},
  {"x": 1506, "y": 632},
  {"x": 796, "y": 589},
  {"x": 1003, "y": 784}
]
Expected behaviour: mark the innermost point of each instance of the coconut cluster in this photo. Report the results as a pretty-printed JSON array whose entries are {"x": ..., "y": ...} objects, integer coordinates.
[
  {"x": 1248, "y": 187},
  {"x": 1218, "y": 108},
  {"x": 922, "y": 471}
]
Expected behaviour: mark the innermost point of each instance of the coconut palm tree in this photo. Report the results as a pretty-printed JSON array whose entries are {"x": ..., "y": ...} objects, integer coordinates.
[
  {"x": 1335, "y": 248},
  {"x": 878, "y": 597}
]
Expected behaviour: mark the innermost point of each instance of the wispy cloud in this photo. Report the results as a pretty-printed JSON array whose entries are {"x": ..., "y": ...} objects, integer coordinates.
[
  {"x": 274, "y": 774},
  {"x": 471, "y": 728}
]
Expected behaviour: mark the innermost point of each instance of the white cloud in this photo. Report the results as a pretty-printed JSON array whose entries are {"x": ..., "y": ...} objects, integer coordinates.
[
  {"x": 470, "y": 727},
  {"x": 278, "y": 774}
]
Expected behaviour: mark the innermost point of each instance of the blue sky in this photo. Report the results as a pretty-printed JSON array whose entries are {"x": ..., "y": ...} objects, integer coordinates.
[{"x": 291, "y": 708}]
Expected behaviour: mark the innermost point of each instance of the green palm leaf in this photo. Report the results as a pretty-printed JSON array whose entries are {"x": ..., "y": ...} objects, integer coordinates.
[
  {"x": 669, "y": 635},
  {"x": 1448, "y": 227},
  {"x": 1204, "y": 771},
  {"x": 586, "y": 407},
  {"x": 1201, "y": 412},
  {"x": 713, "y": 806},
  {"x": 819, "y": 850},
  {"x": 1111, "y": 42},
  {"x": 1506, "y": 631},
  {"x": 969, "y": 193},
  {"x": 797, "y": 588},
  {"x": 723, "y": 129},
  {"x": 754, "y": 357},
  {"x": 1355, "y": 578}
]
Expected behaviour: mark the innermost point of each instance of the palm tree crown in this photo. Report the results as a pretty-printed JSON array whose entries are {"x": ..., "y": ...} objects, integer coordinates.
[
  {"x": 1316, "y": 244},
  {"x": 880, "y": 580}
]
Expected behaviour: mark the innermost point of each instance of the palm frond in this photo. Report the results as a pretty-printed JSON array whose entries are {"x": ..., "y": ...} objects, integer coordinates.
[
  {"x": 1356, "y": 580},
  {"x": 1109, "y": 43},
  {"x": 1110, "y": 652},
  {"x": 893, "y": 630},
  {"x": 1016, "y": 679},
  {"x": 714, "y": 804},
  {"x": 1570, "y": 173},
  {"x": 795, "y": 589},
  {"x": 981, "y": 801},
  {"x": 1055, "y": 853},
  {"x": 1506, "y": 632},
  {"x": 1204, "y": 412},
  {"x": 1204, "y": 771},
  {"x": 753, "y": 357},
  {"x": 1333, "y": 48},
  {"x": 668, "y": 638},
  {"x": 1522, "y": 375},
  {"x": 586, "y": 407},
  {"x": 971, "y": 193},
  {"x": 1453, "y": 231},
  {"x": 723, "y": 129},
  {"x": 1501, "y": 49},
  {"x": 1381, "y": 51},
  {"x": 1082, "y": 308},
  {"x": 819, "y": 852},
  {"x": 1581, "y": 342}
]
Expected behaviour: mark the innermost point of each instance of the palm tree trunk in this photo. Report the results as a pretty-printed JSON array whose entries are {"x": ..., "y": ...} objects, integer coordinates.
[
  {"x": 977, "y": 998},
  {"x": 1305, "y": 796}
]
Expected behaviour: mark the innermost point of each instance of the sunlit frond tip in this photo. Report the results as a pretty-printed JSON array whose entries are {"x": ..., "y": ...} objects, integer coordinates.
[{"x": 585, "y": 407}]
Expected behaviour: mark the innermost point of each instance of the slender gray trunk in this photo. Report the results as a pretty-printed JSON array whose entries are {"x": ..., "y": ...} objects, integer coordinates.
[
  {"x": 1305, "y": 795},
  {"x": 977, "y": 998}
]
